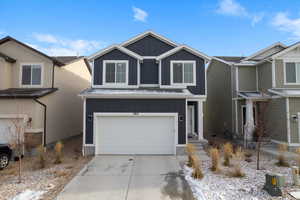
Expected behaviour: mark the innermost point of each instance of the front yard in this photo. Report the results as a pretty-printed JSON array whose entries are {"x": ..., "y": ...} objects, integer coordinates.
[{"x": 43, "y": 183}]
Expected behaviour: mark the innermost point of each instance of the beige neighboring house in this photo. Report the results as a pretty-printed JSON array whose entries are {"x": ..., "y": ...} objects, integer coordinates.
[
  {"x": 42, "y": 91},
  {"x": 236, "y": 85}
]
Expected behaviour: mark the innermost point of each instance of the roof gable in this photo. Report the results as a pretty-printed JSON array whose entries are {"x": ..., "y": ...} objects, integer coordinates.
[
  {"x": 112, "y": 47},
  {"x": 287, "y": 50}
]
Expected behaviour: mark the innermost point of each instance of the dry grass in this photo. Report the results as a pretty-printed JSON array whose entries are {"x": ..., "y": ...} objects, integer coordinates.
[
  {"x": 215, "y": 159},
  {"x": 190, "y": 149},
  {"x": 298, "y": 156},
  {"x": 41, "y": 156},
  {"x": 228, "y": 151},
  {"x": 197, "y": 173},
  {"x": 60, "y": 173},
  {"x": 58, "y": 152},
  {"x": 237, "y": 158},
  {"x": 282, "y": 160}
]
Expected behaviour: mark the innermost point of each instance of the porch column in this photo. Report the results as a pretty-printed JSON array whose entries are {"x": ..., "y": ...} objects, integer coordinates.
[
  {"x": 249, "y": 125},
  {"x": 200, "y": 120}
]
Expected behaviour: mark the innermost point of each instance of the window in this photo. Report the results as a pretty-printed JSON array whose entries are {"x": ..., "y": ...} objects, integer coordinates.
[
  {"x": 31, "y": 74},
  {"x": 115, "y": 72},
  {"x": 292, "y": 72},
  {"x": 183, "y": 72}
]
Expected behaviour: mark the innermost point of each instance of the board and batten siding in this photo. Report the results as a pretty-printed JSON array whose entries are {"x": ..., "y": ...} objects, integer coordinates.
[
  {"x": 149, "y": 72},
  {"x": 199, "y": 89},
  {"x": 247, "y": 78},
  {"x": 149, "y": 46},
  {"x": 264, "y": 76},
  {"x": 294, "y": 124},
  {"x": 115, "y": 55},
  {"x": 136, "y": 106}
]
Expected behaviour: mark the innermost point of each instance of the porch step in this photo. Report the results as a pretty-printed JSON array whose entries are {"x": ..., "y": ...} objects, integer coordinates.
[{"x": 199, "y": 144}]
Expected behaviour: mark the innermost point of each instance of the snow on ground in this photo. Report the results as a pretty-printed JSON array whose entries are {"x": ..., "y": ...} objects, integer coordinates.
[
  {"x": 223, "y": 187},
  {"x": 29, "y": 195}
]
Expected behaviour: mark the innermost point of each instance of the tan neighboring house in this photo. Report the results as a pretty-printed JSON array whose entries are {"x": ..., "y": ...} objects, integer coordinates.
[
  {"x": 236, "y": 85},
  {"x": 42, "y": 91}
]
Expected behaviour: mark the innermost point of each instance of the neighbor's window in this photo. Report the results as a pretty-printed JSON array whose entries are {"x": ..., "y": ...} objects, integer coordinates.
[
  {"x": 183, "y": 72},
  {"x": 115, "y": 72},
  {"x": 31, "y": 74},
  {"x": 292, "y": 72}
]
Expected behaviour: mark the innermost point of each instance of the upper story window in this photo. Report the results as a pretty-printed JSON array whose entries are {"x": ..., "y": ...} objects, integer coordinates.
[
  {"x": 292, "y": 72},
  {"x": 31, "y": 75},
  {"x": 115, "y": 72},
  {"x": 183, "y": 72}
]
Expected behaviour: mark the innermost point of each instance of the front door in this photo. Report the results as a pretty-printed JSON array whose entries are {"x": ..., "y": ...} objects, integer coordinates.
[
  {"x": 190, "y": 120},
  {"x": 244, "y": 117}
]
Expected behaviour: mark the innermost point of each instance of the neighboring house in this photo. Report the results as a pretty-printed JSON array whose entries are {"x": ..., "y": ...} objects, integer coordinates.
[
  {"x": 146, "y": 95},
  {"x": 236, "y": 85},
  {"x": 42, "y": 91}
]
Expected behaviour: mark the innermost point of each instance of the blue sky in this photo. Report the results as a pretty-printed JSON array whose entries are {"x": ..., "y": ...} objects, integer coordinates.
[{"x": 215, "y": 27}]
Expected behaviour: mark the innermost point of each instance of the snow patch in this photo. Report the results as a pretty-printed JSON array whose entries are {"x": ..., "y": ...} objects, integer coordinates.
[{"x": 29, "y": 195}]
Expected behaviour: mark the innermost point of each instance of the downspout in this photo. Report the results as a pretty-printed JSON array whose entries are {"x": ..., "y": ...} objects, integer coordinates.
[
  {"x": 45, "y": 115},
  {"x": 53, "y": 75}
]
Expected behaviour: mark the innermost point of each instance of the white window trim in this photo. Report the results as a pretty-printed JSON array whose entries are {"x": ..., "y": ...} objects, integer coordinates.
[
  {"x": 21, "y": 75},
  {"x": 104, "y": 73},
  {"x": 183, "y": 84},
  {"x": 284, "y": 72}
]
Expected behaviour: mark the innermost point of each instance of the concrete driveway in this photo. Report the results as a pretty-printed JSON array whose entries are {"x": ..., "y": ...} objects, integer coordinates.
[{"x": 129, "y": 178}]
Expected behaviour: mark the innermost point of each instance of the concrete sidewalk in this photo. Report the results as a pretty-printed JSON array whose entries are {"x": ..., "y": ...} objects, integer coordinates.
[{"x": 129, "y": 178}]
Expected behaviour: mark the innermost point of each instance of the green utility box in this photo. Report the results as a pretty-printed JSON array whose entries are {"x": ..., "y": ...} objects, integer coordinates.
[{"x": 273, "y": 184}]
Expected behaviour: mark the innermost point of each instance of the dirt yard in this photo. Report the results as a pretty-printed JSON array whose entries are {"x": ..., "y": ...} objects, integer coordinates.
[{"x": 50, "y": 180}]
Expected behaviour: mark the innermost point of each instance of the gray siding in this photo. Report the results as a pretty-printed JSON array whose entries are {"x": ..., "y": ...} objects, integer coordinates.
[
  {"x": 115, "y": 55},
  {"x": 199, "y": 89},
  {"x": 247, "y": 78},
  {"x": 279, "y": 75},
  {"x": 294, "y": 125},
  {"x": 149, "y": 46},
  {"x": 264, "y": 76},
  {"x": 218, "y": 106},
  {"x": 135, "y": 105},
  {"x": 149, "y": 72}
]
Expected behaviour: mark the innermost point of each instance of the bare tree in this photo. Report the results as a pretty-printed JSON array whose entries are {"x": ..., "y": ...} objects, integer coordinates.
[{"x": 261, "y": 128}]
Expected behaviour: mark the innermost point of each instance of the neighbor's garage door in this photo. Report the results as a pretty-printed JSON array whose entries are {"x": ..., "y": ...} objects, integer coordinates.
[
  {"x": 7, "y": 130},
  {"x": 135, "y": 134}
]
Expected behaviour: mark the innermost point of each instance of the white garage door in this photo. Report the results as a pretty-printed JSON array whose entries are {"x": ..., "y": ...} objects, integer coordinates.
[
  {"x": 135, "y": 134},
  {"x": 7, "y": 130}
]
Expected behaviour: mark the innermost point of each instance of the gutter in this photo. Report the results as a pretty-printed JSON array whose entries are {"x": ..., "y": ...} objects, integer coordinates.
[
  {"x": 45, "y": 116},
  {"x": 53, "y": 75}
]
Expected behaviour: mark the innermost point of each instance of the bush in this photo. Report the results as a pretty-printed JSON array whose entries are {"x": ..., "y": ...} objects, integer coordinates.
[
  {"x": 197, "y": 173},
  {"x": 215, "y": 159},
  {"x": 282, "y": 161},
  {"x": 237, "y": 158},
  {"x": 41, "y": 156},
  {"x": 190, "y": 149},
  {"x": 228, "y": 151},
  {"x": 58, "y": 152}
]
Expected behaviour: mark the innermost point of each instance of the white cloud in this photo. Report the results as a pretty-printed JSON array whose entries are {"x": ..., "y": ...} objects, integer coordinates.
[
  {"x": 233, "y": 8},
  {"x": 284, "y": 23},
  {"x": 58, "y": 46},
  {"x": 139, "y": 14}
]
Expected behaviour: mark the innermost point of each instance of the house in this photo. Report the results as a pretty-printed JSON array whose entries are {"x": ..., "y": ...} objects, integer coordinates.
[
  {"x": 40, "y": 90},
  {"x": 237, "y": 86},
  {"x": 146, "y": 96}
]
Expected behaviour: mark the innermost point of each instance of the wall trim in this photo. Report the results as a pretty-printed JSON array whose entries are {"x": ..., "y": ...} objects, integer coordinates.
[{"x": 288, "y": 120}]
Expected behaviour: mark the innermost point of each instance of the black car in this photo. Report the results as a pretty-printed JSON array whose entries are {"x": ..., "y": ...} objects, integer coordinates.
[{"x": 5, "y": 155}]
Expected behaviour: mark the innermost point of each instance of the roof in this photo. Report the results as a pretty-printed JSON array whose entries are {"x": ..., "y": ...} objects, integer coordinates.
[
  {"x": 152, "y": 33},
  {"x": 187, "y": 48},
  {"x": 112, "y": 47},
  {"x": 286, "y": 92},
  {"x": 26, "y": 92},
  {"x": 7, "y": 58},
  {"x": 291, "y": 47},
  {"x": 66, "y": 59},
  {"x": 234, "y": 59},
  {"x": 254, "y": 95},
  {"x": 137, "y": 92},
  {"x": 8, "y": 38}
]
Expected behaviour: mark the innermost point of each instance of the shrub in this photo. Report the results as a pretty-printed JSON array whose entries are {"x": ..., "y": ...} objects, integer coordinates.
[
  {"x": 228, "y": 151},
  {"x": 190, "y": 149},
  {"x": 197, "y": 173},
  {"x": 237, "y": 158},
  {"x": 41, "y": 156},
  {"x": 58, "y": 152},
  {"x": 215, "y": 159},
  {"x": 282, "y": 161}
]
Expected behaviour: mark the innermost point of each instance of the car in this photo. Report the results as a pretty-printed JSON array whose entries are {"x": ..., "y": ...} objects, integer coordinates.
[{"x": 5, "y": 155}]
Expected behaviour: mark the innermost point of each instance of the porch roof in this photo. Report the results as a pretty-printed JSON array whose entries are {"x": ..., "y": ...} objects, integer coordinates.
[
  {"x": 286, "y": 92},
  {"x": 26, "y": 92},
  {"x": 254, "y": 95}
]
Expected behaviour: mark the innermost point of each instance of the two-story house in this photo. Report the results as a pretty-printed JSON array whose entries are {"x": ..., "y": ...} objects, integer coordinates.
[
  {"x": 236, "y": 85},
  {"x": 146, "y": 96},
  {"x": 40, "y": 90}
]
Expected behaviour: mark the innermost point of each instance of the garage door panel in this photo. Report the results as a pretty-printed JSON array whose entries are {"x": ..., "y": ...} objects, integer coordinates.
[{"x": 135, "y": 135}]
